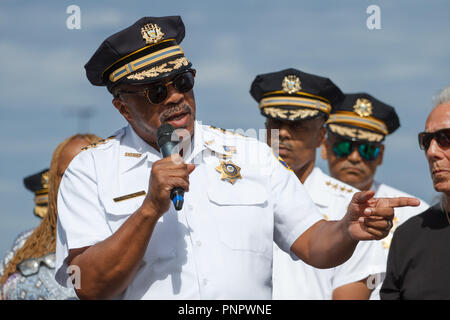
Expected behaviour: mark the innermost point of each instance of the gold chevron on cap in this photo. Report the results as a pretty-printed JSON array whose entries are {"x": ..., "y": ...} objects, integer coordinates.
[{"x": 145, "y": 61}]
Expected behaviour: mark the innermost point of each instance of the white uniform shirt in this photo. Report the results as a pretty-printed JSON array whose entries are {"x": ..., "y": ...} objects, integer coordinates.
[
  {"x": 401, "y": 215},
  {"x": 298, "y": 280},
  {"x": 219, "y": 246}
]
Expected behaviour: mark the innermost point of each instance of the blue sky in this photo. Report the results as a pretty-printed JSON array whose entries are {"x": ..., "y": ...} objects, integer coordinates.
[{"x": 229, "y": 42}]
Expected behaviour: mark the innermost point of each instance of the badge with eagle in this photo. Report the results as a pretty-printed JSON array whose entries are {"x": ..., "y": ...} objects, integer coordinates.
[
  {"x": 291, "y": 84},
  {"x": 151, "y": 33}
]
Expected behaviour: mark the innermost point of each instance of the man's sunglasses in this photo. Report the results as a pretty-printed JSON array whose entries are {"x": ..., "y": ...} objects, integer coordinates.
[
  {"x": 442, "y": 138},
  {"x": 367, "y": 151},
  {"x": 157, "y": 92}
]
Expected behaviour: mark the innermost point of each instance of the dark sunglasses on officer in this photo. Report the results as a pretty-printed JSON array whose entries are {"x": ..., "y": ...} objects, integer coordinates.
[
  {"x": 442, "y": 138},
  {"x": 368, "y": 151},
  {"x": 157, "y": 92}
]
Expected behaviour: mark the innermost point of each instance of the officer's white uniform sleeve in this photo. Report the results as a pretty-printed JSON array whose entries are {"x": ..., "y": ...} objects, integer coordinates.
[
  {"x": 81, "y": 219},
  {"x": 366, "y": 261},
  {"x": 294, "y": 210}
]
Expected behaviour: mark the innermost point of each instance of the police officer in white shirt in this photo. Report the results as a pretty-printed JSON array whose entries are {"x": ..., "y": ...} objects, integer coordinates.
[
  {"x": 297, "y": 104},
  {"x": 119, "y": 232},
  {"x": 354, "y": 149}
]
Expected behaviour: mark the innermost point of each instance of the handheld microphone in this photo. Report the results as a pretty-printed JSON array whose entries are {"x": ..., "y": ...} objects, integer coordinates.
[{"x": 167, "y": 148}]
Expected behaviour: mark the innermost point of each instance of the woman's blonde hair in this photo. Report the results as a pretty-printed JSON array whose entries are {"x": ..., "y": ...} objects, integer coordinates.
[{"x": 43, "y": 238}]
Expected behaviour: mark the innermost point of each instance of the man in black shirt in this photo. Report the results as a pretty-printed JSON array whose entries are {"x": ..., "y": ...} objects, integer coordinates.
[{"x": 419, "y": 257}]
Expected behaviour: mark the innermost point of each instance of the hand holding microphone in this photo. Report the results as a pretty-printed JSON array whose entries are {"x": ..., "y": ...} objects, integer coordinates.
[{"x": 169, "y": 178}]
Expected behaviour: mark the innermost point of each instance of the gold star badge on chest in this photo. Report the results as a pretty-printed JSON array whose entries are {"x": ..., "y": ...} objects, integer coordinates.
[{"x": 229, "y": 171}]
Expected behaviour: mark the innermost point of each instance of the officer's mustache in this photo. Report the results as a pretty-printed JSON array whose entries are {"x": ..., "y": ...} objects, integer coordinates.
[
  {"x": 352, "y": 166},
  {"x": 175, "y": 111}
]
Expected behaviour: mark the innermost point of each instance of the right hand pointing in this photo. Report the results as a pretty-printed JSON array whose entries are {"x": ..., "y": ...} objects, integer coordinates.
[{"x": 166, "y": 174}]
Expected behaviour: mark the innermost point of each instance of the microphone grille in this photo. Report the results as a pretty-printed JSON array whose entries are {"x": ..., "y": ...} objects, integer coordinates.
[{"x": 164, "y": 134}]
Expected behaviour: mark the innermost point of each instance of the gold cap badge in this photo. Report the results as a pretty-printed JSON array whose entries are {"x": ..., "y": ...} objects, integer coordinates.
[
  {"x": 363, "y": 107},
  {"x": 151, "y": 33},
  {"x": 291, "y": 84},
  {"x": 229, "y": 171}
]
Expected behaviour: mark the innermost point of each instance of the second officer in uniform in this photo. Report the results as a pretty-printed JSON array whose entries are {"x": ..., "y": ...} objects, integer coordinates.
[{"x": 297, "y": 104}]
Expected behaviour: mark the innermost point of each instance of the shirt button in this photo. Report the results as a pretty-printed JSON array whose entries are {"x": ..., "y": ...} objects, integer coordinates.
[
  {"x": 205, "y": 282},
  {"x": 190, "y": 207},
  {"x": 198, "y": 243}
]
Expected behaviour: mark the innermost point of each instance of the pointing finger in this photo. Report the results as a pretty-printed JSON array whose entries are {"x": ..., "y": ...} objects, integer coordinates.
[{"x": 397, "y": 202}]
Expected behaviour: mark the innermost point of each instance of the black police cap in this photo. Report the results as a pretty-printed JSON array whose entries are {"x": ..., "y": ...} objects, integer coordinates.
[
  {"x": 144, "y": 52},
  {"x": 359, "y": 116},
  {"x": 38, "y": 184},
  {"x": 293, "y": 95}
]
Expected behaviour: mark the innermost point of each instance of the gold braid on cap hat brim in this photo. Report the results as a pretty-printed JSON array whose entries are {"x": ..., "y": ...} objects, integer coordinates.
[
  {"x": 351, "y": 118},
  {"x": 302, "y": 102}
]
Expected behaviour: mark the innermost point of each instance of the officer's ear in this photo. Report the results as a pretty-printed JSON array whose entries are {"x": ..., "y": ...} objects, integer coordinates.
[
  {"x": 322, "y": 136},
  {"x": 324, "y": 147},
  {"x": 323, "y": 150},
  {"x": 322, "y": 131}
]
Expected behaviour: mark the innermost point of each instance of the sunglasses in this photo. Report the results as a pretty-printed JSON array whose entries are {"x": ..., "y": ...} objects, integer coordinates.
[
  {"x": 442, "y": 138},
  {"x": 157, "y": 92},
  {"x": 31, "y": 266},
  {"x": 367, "y": 151}
]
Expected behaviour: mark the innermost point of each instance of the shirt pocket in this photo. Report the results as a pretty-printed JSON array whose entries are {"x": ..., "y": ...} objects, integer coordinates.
[
  {"x": 242, "y": 216},
  {"x": 161, "y": 244}
]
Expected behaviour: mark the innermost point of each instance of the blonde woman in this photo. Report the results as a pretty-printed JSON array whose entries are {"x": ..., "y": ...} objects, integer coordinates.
[{"x": 29, "y": 274}]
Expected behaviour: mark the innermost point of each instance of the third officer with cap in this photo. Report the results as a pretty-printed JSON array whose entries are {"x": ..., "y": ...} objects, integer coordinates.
[
  {"x": 354, "y": 150},
  {"x": 297, "y": 104}
]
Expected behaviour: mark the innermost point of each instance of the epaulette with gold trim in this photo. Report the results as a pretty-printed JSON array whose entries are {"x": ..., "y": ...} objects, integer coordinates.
[
  {"x": 224, "y": 131},
  {"x": 338, "y": 187},
  {"x": 96, "y": 144}
]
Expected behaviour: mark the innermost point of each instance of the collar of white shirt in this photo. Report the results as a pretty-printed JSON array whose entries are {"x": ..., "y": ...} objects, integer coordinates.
[
  {"x": 316, "y": 187},
  {"x": 133, "y": 144}
]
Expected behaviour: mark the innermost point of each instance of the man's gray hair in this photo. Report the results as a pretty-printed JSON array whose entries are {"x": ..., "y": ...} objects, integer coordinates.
[{"x": 441, "y": 97}]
